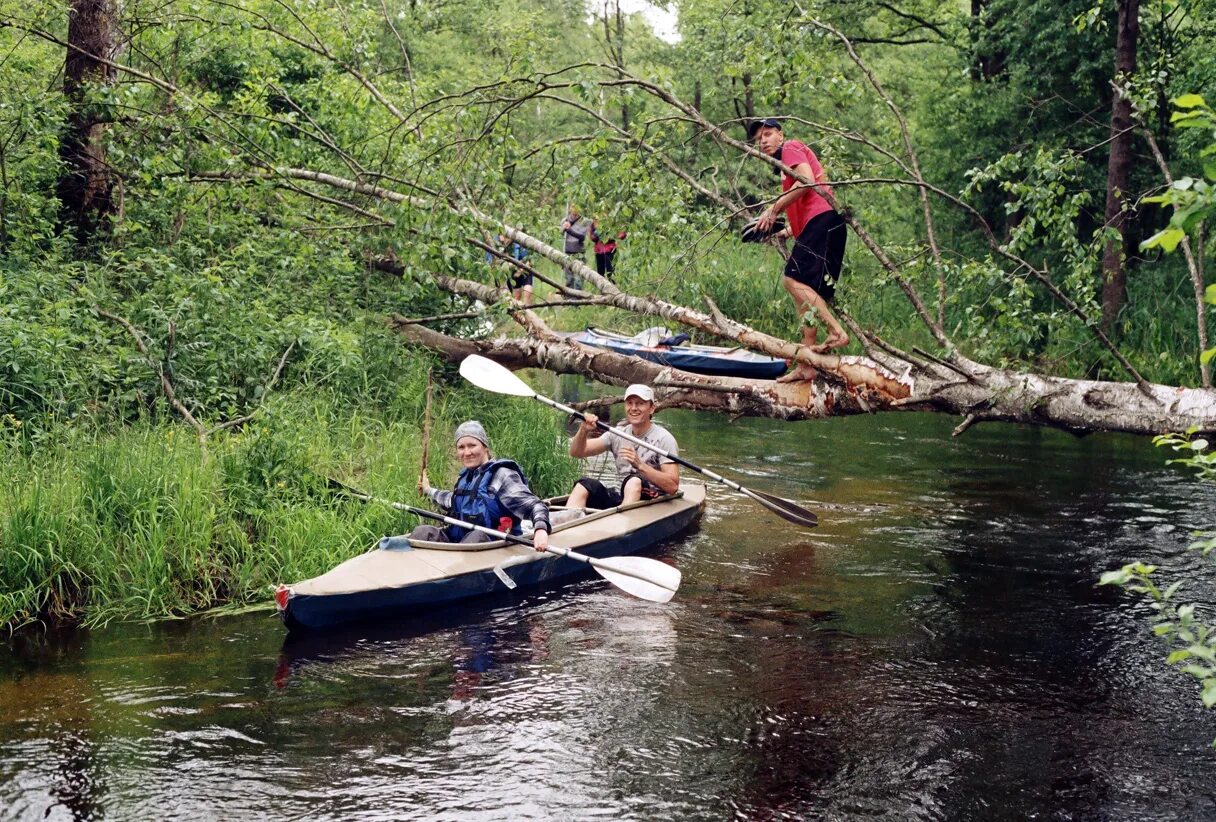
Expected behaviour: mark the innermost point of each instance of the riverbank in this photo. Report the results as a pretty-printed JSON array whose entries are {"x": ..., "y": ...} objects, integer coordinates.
[{"x": 141, "y": 522}]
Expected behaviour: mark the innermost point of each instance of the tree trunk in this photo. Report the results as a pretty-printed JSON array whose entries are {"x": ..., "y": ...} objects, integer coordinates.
[
  {"x": 890, "y": 380},
  {"x": 993, "y": 394},
  {"x": 1118, "y": 173},
  {"x": 986, "y": 64},
  {"x": 620, "y": 62},
  {"x": 614, "y": 39},
  {"x": 86, "y": 184}
]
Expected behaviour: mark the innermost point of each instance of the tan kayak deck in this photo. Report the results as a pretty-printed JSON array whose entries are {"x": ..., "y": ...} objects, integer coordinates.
[{"x": 429, "y": 562}]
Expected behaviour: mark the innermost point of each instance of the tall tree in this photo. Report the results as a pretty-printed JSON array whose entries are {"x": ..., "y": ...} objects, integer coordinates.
[
  {"x": 614, "y": 39},
  {"x": 86, "y": 183},
  {"x": 1118, "y": 173}
]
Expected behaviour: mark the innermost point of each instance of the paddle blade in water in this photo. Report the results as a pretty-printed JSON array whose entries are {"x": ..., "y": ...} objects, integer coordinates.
[
  {"x": 644, "y": 578},
  {"x": 784, "y": 508},
  {"x": 491, "y": 376}
]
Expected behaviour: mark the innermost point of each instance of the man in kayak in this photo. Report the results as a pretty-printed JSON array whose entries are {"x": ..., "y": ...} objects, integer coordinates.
[
  {"x": 643, "y": 472},
  {"x": 489, "y": 492},
  {"x": 819, "y": 234}
]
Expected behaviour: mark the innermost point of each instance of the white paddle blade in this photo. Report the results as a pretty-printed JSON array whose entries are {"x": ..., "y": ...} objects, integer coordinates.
[
  {"x": 644, "y": 578},
  {"x": 489, "y": 375},
  {"x": 504, "y": 577},
  {"x": 500, "y": 570}
]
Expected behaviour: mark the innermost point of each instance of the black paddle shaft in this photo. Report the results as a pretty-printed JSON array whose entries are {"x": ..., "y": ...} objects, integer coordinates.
[
  {"x": 422, "y": 512},
  {"x": 787, "y": 509}
]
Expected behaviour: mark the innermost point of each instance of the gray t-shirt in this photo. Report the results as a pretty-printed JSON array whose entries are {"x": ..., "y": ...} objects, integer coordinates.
[
  {"x": 576, "y": 234},
  {"x": 656, "y": 435}
]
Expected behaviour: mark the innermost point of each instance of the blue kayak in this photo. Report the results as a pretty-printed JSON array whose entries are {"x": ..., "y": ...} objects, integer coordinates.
[{"x": 698, "y": 359}]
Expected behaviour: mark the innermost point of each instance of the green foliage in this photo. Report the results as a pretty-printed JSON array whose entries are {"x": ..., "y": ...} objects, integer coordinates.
[
  {"x": 1197, "y": 453},
  {"x": 1193, "y": 199},
  {"x": 1192, "y": 642}
]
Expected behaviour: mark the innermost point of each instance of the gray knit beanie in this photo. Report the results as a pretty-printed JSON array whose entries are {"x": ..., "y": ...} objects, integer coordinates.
[{"x": 472, "y": 428}]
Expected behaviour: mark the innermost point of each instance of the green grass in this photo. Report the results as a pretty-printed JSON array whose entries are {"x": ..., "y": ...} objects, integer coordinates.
[{"x": 139, "y": 522}]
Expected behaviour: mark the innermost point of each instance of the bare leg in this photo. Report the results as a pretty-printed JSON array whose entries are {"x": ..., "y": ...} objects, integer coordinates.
[
  {"x": 578, "y": 496},
  {"x": 527, "y": 298},
  {"x": 633, "y": 491},
  {"x": 807, "y": 299}
]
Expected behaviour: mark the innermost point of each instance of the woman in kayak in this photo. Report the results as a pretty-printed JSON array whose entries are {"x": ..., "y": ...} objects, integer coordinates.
[{"x": 489, "y": 492}]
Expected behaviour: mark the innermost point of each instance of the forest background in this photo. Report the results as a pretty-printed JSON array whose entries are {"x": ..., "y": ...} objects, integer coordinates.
[{"x": 210, "y": 212}]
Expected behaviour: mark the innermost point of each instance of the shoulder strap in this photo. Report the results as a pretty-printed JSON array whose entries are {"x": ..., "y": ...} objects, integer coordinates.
[{"x": 492, "y": 467}]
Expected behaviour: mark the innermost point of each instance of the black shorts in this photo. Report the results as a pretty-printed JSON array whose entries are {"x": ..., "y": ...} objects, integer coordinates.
[
  {"x": 601, "y": 496},
  {"x": 519, "y": 281},
  {"x": 819, "y": 253}
]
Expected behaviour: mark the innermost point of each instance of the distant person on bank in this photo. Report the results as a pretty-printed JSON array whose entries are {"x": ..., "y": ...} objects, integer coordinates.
[
  {"x": 574, "y": 230},
  {"x": 489, "y": 492},
  {"x": 819, "y": 234},
  {"x": 519, "y": 281},
  {"x": 605, "y": 249},
  {"x": 643, "y": 473}
]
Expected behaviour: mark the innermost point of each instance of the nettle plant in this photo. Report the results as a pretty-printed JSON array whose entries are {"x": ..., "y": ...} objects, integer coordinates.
[{"x": 1192, "y": 642}]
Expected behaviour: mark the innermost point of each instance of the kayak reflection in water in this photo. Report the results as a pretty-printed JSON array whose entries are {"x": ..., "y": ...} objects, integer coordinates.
[
  {"x": 484, "y": 647},
  {"x": 489, "y": 492}
]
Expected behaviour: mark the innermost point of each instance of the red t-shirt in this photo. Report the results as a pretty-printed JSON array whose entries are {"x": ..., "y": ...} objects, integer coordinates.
[{"x": 810, "y": 205}]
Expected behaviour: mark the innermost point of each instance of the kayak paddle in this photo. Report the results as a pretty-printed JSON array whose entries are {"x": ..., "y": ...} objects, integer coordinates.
[
  {"x": 644, "y": 578},
  {"x": 487, "y": 374}
]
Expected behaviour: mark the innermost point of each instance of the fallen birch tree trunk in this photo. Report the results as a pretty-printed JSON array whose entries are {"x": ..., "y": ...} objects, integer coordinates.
[
  {"x": 984, "y": 395},
  {"x": 887, "y": 379}
]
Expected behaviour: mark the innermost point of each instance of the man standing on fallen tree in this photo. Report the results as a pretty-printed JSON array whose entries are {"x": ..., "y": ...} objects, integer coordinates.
[{"x": 819, "y": 236}]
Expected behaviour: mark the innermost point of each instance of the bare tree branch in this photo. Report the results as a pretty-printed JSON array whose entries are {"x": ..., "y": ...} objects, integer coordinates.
[
  {"x": 166, "y": 385},
  {"x": 274, "y": 378},
  {"x": 1192, "y": 266}
]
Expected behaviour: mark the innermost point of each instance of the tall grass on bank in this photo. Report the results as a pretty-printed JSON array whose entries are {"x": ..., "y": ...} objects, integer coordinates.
[{"x": 138, "y": 522}]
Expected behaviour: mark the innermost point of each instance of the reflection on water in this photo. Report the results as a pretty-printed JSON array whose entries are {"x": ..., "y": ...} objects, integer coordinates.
[{"x": 936, "y": 649}]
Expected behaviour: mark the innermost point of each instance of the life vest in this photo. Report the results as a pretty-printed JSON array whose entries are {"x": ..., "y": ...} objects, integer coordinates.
[{"x": 473, "y": 502}]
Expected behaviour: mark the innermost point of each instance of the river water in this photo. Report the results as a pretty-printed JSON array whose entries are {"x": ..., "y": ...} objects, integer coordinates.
[{"x": 936, "y": 649}]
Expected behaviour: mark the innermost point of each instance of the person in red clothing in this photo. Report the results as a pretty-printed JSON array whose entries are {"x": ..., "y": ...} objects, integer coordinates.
[
  {"x": 819, "y": 236},
  {"x": 605, "y": 249}
]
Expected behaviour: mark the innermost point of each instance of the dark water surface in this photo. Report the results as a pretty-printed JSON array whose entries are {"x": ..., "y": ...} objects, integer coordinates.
[{"x": 935, "y": 650}]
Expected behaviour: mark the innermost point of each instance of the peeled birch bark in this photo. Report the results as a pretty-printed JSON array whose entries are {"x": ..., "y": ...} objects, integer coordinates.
[{"x": 983, "y": 395}]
